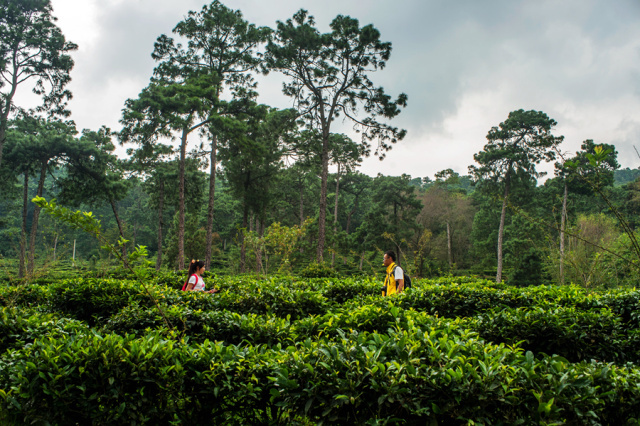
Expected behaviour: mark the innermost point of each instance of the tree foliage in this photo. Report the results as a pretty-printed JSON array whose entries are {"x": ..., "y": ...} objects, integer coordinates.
[
  {"x": 328, "y": 77},
  {"x": 33, "y": 51}
]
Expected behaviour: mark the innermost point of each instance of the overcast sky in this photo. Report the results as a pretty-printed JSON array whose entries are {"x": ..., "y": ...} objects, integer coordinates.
[{"x": 464, "y": 64}]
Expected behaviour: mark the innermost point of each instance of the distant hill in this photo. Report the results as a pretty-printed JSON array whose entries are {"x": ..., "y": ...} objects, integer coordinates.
[{"x": 623, "y": 176}]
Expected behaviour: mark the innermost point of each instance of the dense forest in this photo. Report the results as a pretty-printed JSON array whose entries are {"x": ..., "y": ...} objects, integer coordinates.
[{"x": 212, "y": 174}]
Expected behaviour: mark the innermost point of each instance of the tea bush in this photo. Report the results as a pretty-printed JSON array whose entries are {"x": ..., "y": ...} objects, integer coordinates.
[
  {"x": 19, "y": 327},
  {"x": 565, "y": 331},
  {"x": 442, "y": 375},
  {"x": 198, "y": 326},
  {"x": 286, "y": 350}
]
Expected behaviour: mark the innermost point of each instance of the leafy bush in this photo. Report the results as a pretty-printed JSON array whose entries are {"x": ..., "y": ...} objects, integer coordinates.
[
  {"x": 306, "y": 351},
  {"x": 19, "y": 327},
  {"x": 91, "y": 300},
  {"x": 24, "y": 295},
  {"x": 565, "y": 331},
  {"x": 444, "y": 375},
  {"x": 199, "y": 326},
  {"x": 318, "y": 270}
]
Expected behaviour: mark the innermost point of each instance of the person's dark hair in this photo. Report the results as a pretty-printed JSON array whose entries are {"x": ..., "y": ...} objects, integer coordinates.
[
  {"x": 391, "y": 254},
  {"x": 194, "y": 266}
]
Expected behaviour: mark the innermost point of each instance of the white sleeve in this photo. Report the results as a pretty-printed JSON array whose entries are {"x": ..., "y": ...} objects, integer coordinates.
[
  {"x": 192, "y": 279},
  {"x": 399, "y": 274}
]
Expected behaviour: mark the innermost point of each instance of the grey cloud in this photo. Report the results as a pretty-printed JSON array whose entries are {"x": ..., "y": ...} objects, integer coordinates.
[{"x": 576, "y": 60}]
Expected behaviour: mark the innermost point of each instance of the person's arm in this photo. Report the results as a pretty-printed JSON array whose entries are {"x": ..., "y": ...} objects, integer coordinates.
[
  {"x": 399, "y": 281},
  {"x": 192, "y": 283}
]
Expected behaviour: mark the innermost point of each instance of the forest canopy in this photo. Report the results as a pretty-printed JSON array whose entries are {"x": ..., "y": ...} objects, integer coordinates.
[{"x": 211, "y": 173}]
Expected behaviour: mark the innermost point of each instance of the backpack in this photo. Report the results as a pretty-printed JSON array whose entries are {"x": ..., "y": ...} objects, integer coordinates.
[
  {"x": 407, "y": 278},
  {"x": 184, "y": 287}
]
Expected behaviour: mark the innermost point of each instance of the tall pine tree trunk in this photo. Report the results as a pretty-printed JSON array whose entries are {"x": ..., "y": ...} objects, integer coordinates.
[
  {"x": 449, "y": 252},
  {"x": 335, "y": 217},
  {"x": 563, "y": 224},
  {"x": 23, "y": 230},
  {"x": 322, "y": 217},
  {"x": 4, "y": 115},
  {"x": 160, "y": 209},
  {"x": 212, "y": 192},
  {"x": 181, "y": 209},
  {"x": 301, "y": 208},
  {"x": 123, "y": 247},
  {"x": 301, "y": 203},
  {"x": 503, "y": 215},
  {"x": 34, "y": 222},
  {"x": 55, "y": 246},
  {"x": 243, "y": 247},
  {"x": 260, "y": 233}
]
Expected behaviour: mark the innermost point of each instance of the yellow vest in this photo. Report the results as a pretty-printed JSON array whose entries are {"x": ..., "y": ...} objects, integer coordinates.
[{"x": 390, "y": 280}]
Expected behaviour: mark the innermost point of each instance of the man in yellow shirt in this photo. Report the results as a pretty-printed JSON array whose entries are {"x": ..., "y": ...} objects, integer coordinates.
[{"x": 394, "y": 281}]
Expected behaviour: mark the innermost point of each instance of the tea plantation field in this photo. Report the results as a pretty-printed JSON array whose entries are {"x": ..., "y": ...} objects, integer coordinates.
[{"x": 317, "y": 351}]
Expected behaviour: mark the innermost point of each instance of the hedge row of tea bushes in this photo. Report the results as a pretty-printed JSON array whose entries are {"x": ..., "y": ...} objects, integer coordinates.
[
  {"x": 446, "y": 375},
  {"x": 284, "y": 350}
]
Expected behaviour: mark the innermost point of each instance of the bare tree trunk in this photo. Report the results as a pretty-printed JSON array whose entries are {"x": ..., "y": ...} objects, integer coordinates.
[
  {"x": 563, "y": 224},
  {"x": 212, "y": 192},
  {"x": 322, "y": 217},
  {"x": 125, "y": 260},
  {"x": 34, "y": 222},
  {"x": 449, "y": 253},
  {"x": 301, "y": 209},
  {"x": 260, "y": 232},
  {"x": 55, "y": 245},
  {"x": 181, "y": 209},
  {"x": 160, "y": 210},
  {"x": 335, "y": 217},
  {"x": 301, "y": 203},
  {"x": 23, "y": 230},
  {"x": 3, "y": 133},
  {"x": 243, "y": 248},
  {"x": 5, "y": 110},
  {"x": 503, "y": 215},
  {"x": 361, "y": 261}
]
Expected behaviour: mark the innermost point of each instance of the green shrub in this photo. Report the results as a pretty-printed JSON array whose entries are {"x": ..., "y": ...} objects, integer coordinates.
[
  {"x": 199, "y": 326},
  {"x": 565, "y": 331},
  {"x": 441, "y": 375},
  {"x": 19, "y": 327},
  {"x": 318, "y": 270},
  {"x": 23, "y": 295},
  {"x": 91, "y": 300},
  {"x": 306, "y": 351}
]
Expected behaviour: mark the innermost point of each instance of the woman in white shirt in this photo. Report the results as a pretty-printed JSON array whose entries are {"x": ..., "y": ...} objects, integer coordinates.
[{"x": 195, "y": 281}]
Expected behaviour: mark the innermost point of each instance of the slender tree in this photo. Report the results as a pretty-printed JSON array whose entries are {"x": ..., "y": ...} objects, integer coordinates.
[
  {"x": 219, "y": 42},
  {"x": 396, "y": 201},
  {"x": 150, "y": 161},
  {"x": 328, "y": 76},
  {"x": 347, "y": 156},
  {"x": 172, "y": 103},
  {"x": 18, "y": 158},
  {"x": 517, "y": 145},
  {"x": 33, "y": 51},
  {"x": 251, "y": 156},
  {"x": 95, "y": 174},
  {"x": 53, "y": 139}
]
